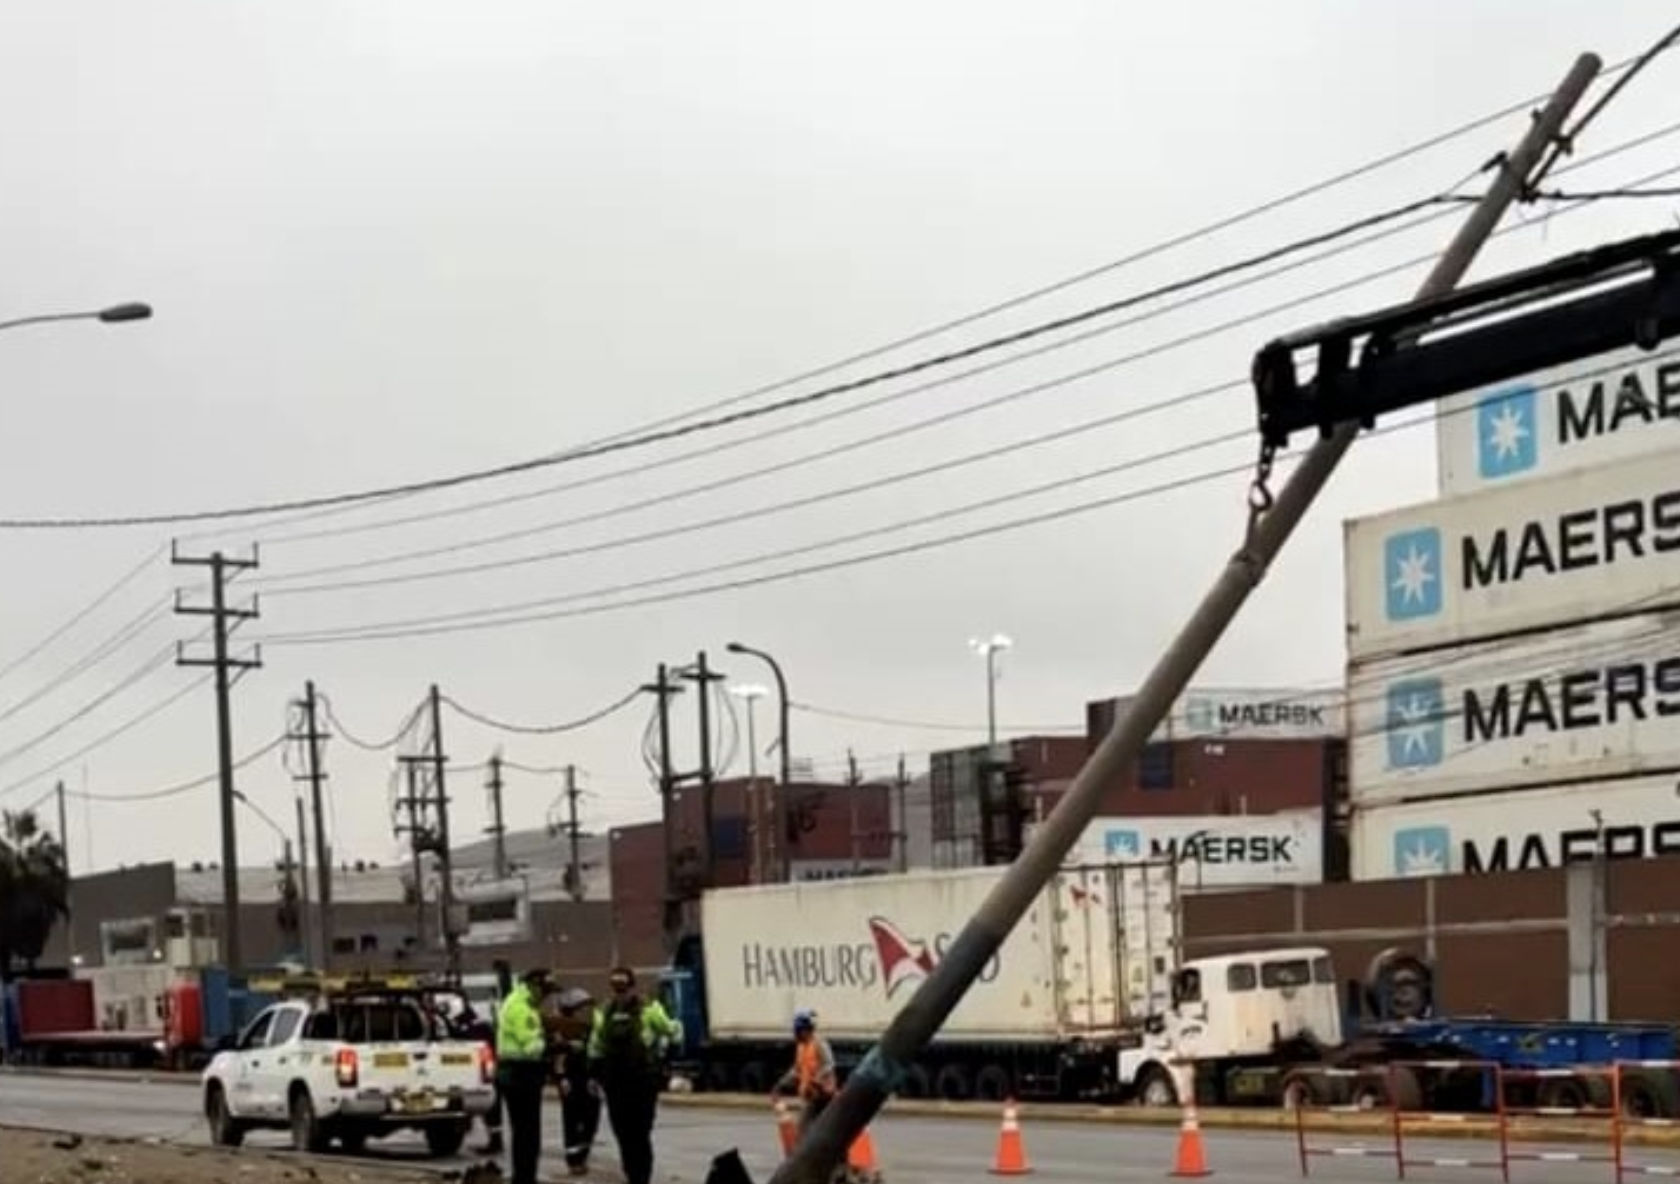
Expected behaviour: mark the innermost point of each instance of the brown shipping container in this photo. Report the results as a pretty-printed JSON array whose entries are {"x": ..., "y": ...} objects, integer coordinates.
[
  {"x": 816, "y": 821},
  {"x": 46, "y": 1006},
  {"x": 637, "y": 863}
]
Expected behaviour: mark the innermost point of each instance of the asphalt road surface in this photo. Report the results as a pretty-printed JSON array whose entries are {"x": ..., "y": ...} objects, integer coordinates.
[{"x": 911, "y": 1150}]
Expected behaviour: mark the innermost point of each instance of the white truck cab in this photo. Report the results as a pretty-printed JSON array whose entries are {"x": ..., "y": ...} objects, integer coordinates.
[
  {"x": 348, "y": 1065},
  {"x": 1230, "y": 1011}
]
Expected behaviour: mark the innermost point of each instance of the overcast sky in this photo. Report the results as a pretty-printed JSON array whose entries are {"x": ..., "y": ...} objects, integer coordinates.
[{"x": 390, "y": 241}]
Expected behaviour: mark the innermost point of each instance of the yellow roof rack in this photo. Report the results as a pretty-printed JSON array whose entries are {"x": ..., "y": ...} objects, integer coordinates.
[{"x": 337, "y": 984}]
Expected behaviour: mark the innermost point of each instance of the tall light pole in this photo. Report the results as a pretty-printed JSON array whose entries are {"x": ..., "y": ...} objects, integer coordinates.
[
  {"x": 785, "y": 751},
  {"x": 114, "y": 315},
  {"x": 990, "y": 648},
  {"x": 751, "y": 693},
  {"x": 285, "y": 858}
]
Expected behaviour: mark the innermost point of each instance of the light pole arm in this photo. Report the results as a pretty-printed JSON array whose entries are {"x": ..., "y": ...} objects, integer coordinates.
[{"x": 116, "y": 314}]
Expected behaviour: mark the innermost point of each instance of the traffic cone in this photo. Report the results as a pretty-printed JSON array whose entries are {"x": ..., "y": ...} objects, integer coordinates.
[
  {"x": 860, "y": 1156},
  {"x": 1011, "y": 1152},
  {"x": 787, "y": 1127},
  {"x": 1191, "y": 1159}
]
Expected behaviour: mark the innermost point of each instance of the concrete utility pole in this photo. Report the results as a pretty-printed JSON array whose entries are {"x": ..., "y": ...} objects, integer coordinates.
[
  {"x": 664, "y": 690},
  {"x": 901, "y": 833},
  {"x": 854, "y": 786},
  {"x": 303, "y": 886},
  {"x": 223, "y": 621},
  {"x": 703, "y": 676},
  {"x": 574, "y": 860},
  {"x": 316, "y": 774},
  {"x": 884, "y": 1068},
  {"x": 413, "y": 824},
  {"x": 446, "y": 862},
  {"x": 498, "y": 826}
]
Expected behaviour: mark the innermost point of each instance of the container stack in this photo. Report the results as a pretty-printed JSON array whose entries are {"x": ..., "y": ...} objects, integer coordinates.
[{"x": 1513, "y": 664}]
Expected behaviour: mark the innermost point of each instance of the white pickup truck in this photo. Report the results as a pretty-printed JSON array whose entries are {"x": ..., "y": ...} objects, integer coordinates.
[{"x": 350, "y": 1067}]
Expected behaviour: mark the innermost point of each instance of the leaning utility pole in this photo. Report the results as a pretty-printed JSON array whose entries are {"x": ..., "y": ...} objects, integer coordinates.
[
  {"x": 497, "y": 830},
  {"x": 223, "y": 621},
  {"x": 315, "y": 773},
  {"x": 883, "y": 1069}
]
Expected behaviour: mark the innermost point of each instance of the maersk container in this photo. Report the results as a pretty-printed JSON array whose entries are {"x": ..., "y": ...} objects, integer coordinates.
[
  {"x": 1569, "y": 548},
  {"x": 1585, "y": 703},
  {"x": 1518, "y": 830},
  {"x": 1089, "y": 962},
  {"x": 1593, "y": 411}
]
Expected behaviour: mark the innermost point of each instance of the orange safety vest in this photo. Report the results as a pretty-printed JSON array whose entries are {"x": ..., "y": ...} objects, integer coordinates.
[{"x": 806, "y": 1064}]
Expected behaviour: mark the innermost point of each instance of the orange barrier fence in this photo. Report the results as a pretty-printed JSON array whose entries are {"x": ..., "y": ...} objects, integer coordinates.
[{"x": 1515, "y": 1110}]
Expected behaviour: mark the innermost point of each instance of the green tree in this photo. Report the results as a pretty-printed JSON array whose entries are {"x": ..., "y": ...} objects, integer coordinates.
[{"x": 34, "y": 889}]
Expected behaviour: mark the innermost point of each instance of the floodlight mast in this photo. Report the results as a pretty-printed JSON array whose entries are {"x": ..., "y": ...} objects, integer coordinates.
[{"x": 874, "y": 1080}]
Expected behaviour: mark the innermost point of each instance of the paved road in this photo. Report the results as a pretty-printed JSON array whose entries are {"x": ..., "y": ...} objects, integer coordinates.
[{"x": 912, "y": 1150}]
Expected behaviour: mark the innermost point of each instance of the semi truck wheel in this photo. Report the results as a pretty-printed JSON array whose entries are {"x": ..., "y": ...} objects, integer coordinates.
[
  {"x": 1646, "y": 1095},
  {"x": 1155, "y": 1088},
  {"x": 953, "y": 1084},
  {"x": 994, "y": 1084},
  {"x": 918, "y": 1083}
]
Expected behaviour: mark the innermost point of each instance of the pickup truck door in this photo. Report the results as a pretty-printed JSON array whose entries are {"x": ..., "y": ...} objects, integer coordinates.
[
  {"x": 249, "y": 1053},
  {"x": 282, "y": 1060}
]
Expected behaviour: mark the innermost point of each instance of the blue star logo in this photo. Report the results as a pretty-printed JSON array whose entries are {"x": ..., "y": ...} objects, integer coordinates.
[
  {"x": 1121, "y": 844},
  {"x": 1507, "y": 432},
  {"x": 1412, "y": 583},
  {"x": 1422, "y": 851},
  {"x": 1416, "y": 723}
]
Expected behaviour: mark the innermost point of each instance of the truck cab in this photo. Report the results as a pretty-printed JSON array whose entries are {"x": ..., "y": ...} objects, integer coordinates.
[{"x": 1234, "y": 1012}]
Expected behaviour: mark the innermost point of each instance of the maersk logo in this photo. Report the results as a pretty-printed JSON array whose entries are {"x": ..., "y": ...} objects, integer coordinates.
[
  {"x": 1412, "y": 574},
  {"x": 1422, "y": 851},
  {"x": 1416, "y": 724},
  {"x": 1122, "y": 844},
  {"x": 1507, "y": 436}
]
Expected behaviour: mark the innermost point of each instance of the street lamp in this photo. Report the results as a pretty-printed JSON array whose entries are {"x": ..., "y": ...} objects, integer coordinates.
[
  {"x": 115, "y": 315},
  {"x": 285, "y": 857},
  {"x": 990, "y": 648},
  {"x": 751, "y": 693},
  {"x": 785, "y": 750}
]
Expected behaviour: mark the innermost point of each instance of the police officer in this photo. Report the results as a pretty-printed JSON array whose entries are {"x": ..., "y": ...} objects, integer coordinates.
[
  {"x": 522, "y": 1071},
  {"x": 813, "y": 1076},
  {"x": 580, "y": 1097},
  {"x": 626, "y": 1052}
]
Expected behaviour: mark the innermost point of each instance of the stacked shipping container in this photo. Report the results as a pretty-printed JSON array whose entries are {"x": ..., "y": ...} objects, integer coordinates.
[{"x": 1513, "y": 659}]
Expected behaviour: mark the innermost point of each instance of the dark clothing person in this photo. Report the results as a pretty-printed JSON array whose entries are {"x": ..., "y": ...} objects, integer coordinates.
[
  {"x": 475, "y": 1027},
  {"x": 626, "y": 1046},
  {"x": 522, "y": 1072},
  {"x": 580, "y": 1098}
]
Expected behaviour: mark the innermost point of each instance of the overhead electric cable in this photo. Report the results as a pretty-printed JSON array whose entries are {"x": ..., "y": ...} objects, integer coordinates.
[
  {"x": 99, "y": 601},
  {"x": 546, "y": 729}
]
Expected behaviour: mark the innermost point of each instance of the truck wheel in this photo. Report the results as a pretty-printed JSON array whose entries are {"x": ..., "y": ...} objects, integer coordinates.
[
  {"x": 1155, "y": 1088},
  {"x": 994, "y": 1084},
  {"x": 1563, "y": 1093},
  {"x": 918, "y": 1083},
  {"x": 354, "y": 1140},
  {"x": 755, "y": 1078},
  {"x": 307, "y": 1134},
  {"x": 225, "y": 1129},
  {"x": 1407, "y": 1090},
  {"x": 444, "y": 1139},
  {"x": 1646, "y": 1095},
  {"x": 953, "y": 1084},
  {"x": 1302, "y": 1089}
]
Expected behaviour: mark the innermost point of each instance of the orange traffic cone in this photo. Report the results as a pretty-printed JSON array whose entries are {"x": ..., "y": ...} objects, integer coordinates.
[
  {"x": 1191, "y": 1159},
  {"x": 1011, "y": 1152},
  {"x": 787, "y": 1127},
  {"x": 860, "y": 1156}
]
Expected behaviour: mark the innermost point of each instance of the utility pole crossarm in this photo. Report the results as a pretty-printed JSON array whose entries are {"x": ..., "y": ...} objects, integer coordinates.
[{"x": 1509, "y": 326}]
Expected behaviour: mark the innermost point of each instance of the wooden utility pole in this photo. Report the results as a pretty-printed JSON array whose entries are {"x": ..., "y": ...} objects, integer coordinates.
[
  {"x": 224, "y": 619},
  {"x": 498, "y": 826}
]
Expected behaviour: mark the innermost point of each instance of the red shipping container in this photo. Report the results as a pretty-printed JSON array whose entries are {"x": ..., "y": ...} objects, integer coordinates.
[{"x": 46, "y": 1006}]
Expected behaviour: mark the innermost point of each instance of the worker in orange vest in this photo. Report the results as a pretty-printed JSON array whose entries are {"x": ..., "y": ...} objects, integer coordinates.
[{"x": 812, "y": 1077}]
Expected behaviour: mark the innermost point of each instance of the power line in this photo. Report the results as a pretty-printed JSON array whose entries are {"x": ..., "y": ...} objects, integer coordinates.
[
  {"x": 92, "y": 607},
  {"x": 156, "y": 662},
  {"x": 107, "y": 737},
  {"x": 925, "y": 725},
  {"x": 176, "y": 790},
  {"x": 131, "y": 629},
  {"x": 520, "y": 613},
  {"x": 546, "y": 729},
  {"x": 730, "y": 418},
  {"x": 1227, "y": 222},
  {"x": 897, "y": 432},
  {"x": 403, "y": 729}
]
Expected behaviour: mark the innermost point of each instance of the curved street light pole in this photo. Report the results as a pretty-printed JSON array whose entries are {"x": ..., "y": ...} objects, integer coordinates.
[
  {"x": 786, "y": 761},
  {"x": 114, "y": 315}
]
